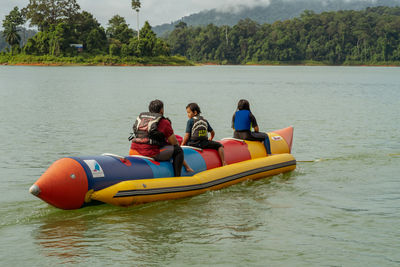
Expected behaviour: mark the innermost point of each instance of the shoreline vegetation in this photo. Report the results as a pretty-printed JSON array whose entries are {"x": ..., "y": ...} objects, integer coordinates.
[
  {"x": 369, "y": 37},
  {"x": 108, "y": 60},
  {"x": 99, "y": 60}
]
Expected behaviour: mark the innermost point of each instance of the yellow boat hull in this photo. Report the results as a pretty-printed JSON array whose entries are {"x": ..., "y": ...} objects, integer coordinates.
[{"x": 134, "y": 192}]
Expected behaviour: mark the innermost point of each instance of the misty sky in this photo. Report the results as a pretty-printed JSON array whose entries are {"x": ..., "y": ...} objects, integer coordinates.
[{"x": 155, "y": 11}]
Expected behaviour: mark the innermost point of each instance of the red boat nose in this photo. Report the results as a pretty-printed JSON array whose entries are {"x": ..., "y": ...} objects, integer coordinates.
[
  {"x": 287, "y": 134},
  {"x": 63, "y": 185}
]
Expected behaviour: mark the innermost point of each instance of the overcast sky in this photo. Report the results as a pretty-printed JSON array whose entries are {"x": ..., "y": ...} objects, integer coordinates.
[{"x": 155, "y": 11}]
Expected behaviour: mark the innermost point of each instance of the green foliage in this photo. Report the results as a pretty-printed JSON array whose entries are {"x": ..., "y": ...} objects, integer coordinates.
[
  {"x": 61, "y": 25},
  {"x": 343, "y": 37},
  {"x": 13, "y": 19},
  {"x": 84, "y": 29},
  {"x": 135, "y": 4},
  {"x": 39, "y": 44},
  {"x": 60, "y": 31},
  {"x": 44, "y": 13},
  {"x": 178, "y": 39},
  {"x": 96, "y": 41},
  {"x": 147, "y": 41},
  {"x": 87, "y": 59},
  {"x": 89, "y": 32},
  {"x": 274, "y": 11},
  {"x": 59, "y": 38},
  {"x": 119, "y": 30},
  {"x": 147, "y": 46},
  {"x": 115, "y": 48},
  {"x": 371, "y": 36},
  {"x": 10, "y": 25},
  {"x": 25, "y": 34}
]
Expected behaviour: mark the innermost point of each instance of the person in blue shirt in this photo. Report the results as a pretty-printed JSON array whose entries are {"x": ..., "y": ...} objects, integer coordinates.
[
  {"x": 242, "y": 123},
  {"x": 197, "y": 129}
]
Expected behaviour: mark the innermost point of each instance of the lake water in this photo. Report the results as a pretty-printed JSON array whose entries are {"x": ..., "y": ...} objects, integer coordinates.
[{"x": 340, "y": 207}]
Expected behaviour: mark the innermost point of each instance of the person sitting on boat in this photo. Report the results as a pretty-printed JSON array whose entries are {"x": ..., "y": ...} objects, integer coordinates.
[
  {"x": 197, "y": 129},
  {"x": 154, "y": 137},
  {"x": 242, "y": 123}
]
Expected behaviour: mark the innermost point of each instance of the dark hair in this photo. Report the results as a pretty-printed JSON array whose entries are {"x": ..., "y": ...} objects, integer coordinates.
[
  {"x": 194, "y": 107},
  {"x": 243, "y": 104},
  {"x": 156, "y": 106}
]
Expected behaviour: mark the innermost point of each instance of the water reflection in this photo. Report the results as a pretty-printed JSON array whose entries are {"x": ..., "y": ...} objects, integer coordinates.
[
  {"x": 63, "y": 239},
  {"x": 157, "y": 232},
  {"x": 141, "y": 234}
]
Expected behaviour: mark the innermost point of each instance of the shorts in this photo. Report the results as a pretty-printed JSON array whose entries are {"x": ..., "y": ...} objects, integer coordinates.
[
  {"x": 251, "y": 136},
  {"x": 206, "y": 144}
]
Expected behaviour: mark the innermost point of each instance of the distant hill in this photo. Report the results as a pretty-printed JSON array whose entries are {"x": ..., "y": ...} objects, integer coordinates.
[{"x": 277, "y": 10}]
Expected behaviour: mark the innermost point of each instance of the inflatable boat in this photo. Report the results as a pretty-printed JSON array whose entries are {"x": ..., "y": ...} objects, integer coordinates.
[{"x": 76, "y": 182}]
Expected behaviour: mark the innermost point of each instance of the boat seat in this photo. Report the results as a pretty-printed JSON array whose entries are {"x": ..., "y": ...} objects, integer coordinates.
[
  {"x": 124, "y": 158},
  {"x": 113, "y": 155},
  {"x": 235, "y": 139},
  {"x": 193, "y": 147},
  {"x": 143, "y": 157}
]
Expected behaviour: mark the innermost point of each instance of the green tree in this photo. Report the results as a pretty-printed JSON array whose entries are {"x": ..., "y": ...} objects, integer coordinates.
[
  {"x": 12, "y": 37},
  {"x": 10, "y": 25},
  {"x": 147, "y": 46},
  {"x": 44, "y": 13},
  {"x": 136, "y": 7},
  {"x": 115, "y": 47},
  {"x": 367, "y": 36},
  {"x": 89, "y": 32},
  {"x": 179, "y": 39},
  {"x": 241, "y": 36},
  {"x": 96, "y": 41},
  {"x": 60, "y": 39},
  {"x": 119, "y": 30},
  {"x": 147, "y": 41},
  {"x": 38, "y": 45}
]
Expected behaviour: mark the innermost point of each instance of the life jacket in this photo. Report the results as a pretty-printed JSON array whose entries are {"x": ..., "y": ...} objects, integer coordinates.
[
  {"x": 199, "y": 129},
  {"x": 145, "y": 129},
  {"x": 242, "y": 120}
]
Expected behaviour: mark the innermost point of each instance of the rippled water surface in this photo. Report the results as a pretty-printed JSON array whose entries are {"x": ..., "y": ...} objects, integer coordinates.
[{"x": 340, "y": 207}]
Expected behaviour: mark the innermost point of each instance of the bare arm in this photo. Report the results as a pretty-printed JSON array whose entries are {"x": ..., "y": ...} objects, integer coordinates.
[
  {"x": 185, "y": 139},
  {"x": 212, "y": 134},
  {"x": 172, "y": 140},
  {"x": 256, "y": 129}
]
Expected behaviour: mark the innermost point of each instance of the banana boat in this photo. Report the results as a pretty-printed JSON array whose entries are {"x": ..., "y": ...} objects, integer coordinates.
[{"x": 76, "y": 182}]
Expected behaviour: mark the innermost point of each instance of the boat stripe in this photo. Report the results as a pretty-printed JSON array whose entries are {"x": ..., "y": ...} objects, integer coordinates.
[{"x": 177, "y": 189}]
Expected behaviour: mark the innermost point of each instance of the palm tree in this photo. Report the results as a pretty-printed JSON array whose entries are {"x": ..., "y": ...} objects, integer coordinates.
[
  {"x": 10, "y": 24},
  {"x": 136, "y": 6},
  {"x": 11, "y": 36}
]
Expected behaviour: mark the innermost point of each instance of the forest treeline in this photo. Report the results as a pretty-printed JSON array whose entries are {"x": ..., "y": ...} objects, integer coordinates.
[
  {"x": 269, "y": 13},
  {"x": 66, "y": 31},
  {"x": 368, "y": 36}
]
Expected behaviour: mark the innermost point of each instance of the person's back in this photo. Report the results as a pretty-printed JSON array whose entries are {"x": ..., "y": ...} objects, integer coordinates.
[
  {"x": 151, "y": 132},
  {"x": 242, "y": 120},
  {"x": 242, "y": 123},
  {"x": 197, "y": 129}
]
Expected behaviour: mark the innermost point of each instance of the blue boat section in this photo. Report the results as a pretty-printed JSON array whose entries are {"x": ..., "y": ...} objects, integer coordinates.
[
  {"x": 194, "y": 160},
  {"x": 165, "y": 169},
  {"x": 104, "y": 171},
  {"x": 112, "y": 170},
  {"x": 159, "y": 168}
]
